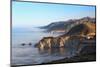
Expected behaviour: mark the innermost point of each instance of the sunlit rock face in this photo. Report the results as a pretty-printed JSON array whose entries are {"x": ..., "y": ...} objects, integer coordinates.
[
  {"x": 57, "y": 42},
  {"x": 45, "y": 42},
  {"x": 71, "y": 39},
  {"x": 52, "y": 42}
]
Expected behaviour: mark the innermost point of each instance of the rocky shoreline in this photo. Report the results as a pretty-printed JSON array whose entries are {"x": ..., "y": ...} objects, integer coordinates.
[
  {"x": 81, "y": 58},
  {"x": 82, "y": 38},
  {"x": 84, "y": 56}
]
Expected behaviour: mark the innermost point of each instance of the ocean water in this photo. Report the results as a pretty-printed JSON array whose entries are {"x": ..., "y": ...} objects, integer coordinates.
[{"x": 25, "y": 55}]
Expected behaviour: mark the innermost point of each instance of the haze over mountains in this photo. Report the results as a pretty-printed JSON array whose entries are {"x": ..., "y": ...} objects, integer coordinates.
[
  {"x": 64, "y": 26},
  {"x": 80, "y": 37},
  {"x": 80, "y": 28}
]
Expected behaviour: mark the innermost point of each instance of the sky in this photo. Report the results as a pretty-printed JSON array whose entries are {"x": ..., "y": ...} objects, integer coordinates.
[{"x": 29, "y": 14}]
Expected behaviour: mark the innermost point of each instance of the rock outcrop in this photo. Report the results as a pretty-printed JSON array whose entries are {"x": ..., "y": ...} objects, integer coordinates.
[
  {"x": 52, "y": 42},
  {"x": 81, "y": 39},
  {"x": 75, "y": 35}
]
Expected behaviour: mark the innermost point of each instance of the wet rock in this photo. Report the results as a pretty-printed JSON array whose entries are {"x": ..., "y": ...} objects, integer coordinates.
[
  {"x": 88, "y": 49},
  {"x": 30, "y": 44},
  {"x": 87, "y": 54},
  {"x": 23, "y": 44}
]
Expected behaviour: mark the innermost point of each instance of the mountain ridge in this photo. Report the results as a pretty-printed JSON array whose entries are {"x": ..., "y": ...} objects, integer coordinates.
[{"x": 64, "y": 26}]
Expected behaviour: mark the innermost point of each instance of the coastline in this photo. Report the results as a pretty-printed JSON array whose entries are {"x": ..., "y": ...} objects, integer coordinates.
[
  {"x": 87, "y": 54},
  {"x": 75, "y": 59}
]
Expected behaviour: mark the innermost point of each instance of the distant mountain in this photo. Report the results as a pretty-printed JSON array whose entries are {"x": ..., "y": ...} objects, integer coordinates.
[{"x": 66, "y": 25}]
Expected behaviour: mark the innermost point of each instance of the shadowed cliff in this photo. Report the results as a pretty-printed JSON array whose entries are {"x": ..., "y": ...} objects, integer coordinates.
[
  {"x": 75, "y": 34},
  {"x": 81, "y": 39}
]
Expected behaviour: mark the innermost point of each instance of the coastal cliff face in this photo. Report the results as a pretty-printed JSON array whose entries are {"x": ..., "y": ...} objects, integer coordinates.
[
  {"x": 80, "y": 38},
  {"x": 73, "y": 38},
  {"x": 52, "y": 42}
]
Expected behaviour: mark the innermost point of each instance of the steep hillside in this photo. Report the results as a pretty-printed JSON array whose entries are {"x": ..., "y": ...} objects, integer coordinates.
[
  {"x": 82, "y": 29},
  {"x": 66, "y": 25},
  {"x": 77, "y": 32}
]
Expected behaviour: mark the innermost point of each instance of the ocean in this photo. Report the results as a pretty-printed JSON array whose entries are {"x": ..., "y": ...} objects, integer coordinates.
[{"x": 26, "y": 55}]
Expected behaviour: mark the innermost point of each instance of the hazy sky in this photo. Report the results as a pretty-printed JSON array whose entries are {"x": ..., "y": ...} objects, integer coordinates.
[{"x": 39, "y": 14}]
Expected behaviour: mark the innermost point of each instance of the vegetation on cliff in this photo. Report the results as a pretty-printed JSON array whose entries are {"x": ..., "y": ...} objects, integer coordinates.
[
  {"x": 64, "y": 26},
  {"x": 81, "y": 36}
]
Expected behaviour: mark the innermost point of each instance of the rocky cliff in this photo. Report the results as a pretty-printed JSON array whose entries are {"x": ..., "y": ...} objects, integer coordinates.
[{"x": 73, "y": 38}]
